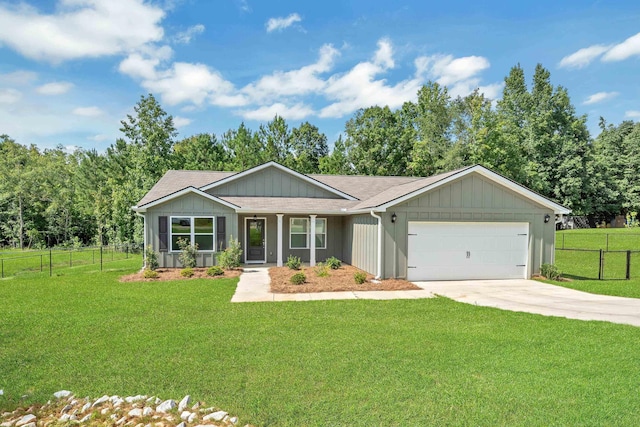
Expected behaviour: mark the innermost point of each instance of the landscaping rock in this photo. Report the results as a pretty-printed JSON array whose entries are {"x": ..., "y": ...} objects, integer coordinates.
[
  {"x": 133, "y": 399},
  {"x": 147, "y": 411},
  {"x": 216, "y": 416},
  {"x": 184, "y": 402},
  {"x": 100, "y": 401},
  {"x": 30, "y": 425},
  {"x": 25, "y": 420},
  {"x": 136, "y": 412},
  {"x": 185, "y": 415},
  {"x": 166, "y": 406},
  {"x": 85, "y": 407},
  {"x": 62, "y": 394},
  {"x": 182, "y": 424},
  {"x": 85, "y": 418}
]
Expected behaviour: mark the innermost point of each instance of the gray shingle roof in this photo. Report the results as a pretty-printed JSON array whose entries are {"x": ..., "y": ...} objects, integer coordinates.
[{"x": 371, "y": 191}]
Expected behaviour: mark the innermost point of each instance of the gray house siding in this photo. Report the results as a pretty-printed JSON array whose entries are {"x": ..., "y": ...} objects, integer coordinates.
[
  {"x": 187, "y": 205},
  {"x": 271, "y": 182},
  {"x": 361, "y": 242},
  {"x": 472, "y": 198},
  {"x": 334, "y": 244}
]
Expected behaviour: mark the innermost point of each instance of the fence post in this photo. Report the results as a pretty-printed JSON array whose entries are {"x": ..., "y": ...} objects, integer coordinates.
[
  {"x": 628, "y": 265},
  {"x": 607, "y": 242},
  {"x": 563, "y": 235},
  {"x": 126, "y": 252},
  {"x": 40, "y": 263},
  {"x": 50, "y": 264},
  {"x": 601, "y": 267},
  {"x": 93, "y": 256},
  {"x": 2, "y": 261},
  {"x": 100, "y": 258},
  {"x": 70, "y": 255}
]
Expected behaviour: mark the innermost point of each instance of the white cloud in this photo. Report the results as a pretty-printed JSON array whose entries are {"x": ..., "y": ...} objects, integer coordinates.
[
  {"x": 447, "y": 70},
  {"x": 244, "y": 6},
  {"x": 18, "y": 78},
  {"x": 359, "y": 88},
  {"x": 279, "y": 24},
  {"x": 181, "y": 121},
  {"x": 628, "y": 48},
  {"x": 99, "y": 137},
  {"x": 492, "y": 91},
  {"x": 70, "y": 149},
  {"x": 632, "y": 114},
  {"x": 54, "y": 88},
  {"x": 599, "y": 97},
  {"x": 80, "y": 28},
  {"x": 295, "y": 112},
  {"x": 10, "y": 96},
  {"x": 92, "y": 111},
  {"x": 583, "y": 57},
  {"x": 184, "y": 37},
  {"x": 296, "y": 82}
]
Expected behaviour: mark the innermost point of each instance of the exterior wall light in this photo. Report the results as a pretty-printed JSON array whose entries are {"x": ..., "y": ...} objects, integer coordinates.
[
  {"x": 394, "y": 217},
  {"x": 547, "y": 218}
]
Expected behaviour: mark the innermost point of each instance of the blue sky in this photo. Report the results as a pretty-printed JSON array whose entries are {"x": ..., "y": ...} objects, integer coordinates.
[{"x": 70, "y": 70}]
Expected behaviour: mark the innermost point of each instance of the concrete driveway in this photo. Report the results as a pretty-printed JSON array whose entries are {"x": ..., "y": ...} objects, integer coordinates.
[{"x": 531, "y": 296}]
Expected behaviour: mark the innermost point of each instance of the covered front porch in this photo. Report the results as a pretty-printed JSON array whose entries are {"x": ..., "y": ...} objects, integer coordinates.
[{"x": 273, "y": 237}]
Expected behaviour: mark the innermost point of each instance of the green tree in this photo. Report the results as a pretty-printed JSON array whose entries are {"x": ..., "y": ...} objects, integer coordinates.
[
  {"x": 243, "y": 147},
  {"x": 336, "y": 163},
  {"x": 200, "y": 152},
  {"x": 308, "y": 146}
]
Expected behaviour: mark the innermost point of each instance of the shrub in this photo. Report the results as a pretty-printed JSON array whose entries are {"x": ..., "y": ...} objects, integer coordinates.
[
  {"x": 360, "y": 277},
  {"x": 322, "y": 270},
  {"x": 215, "y": 271},
  {"x": 150, "y": 274},
  {"x": 293, "y": 262},
  {"x": 550, "y": 271},
  {"x": 187, "y": 272},
  {"x": 298, "y": 278},
  {"x": 231, "y": 257},
  {"x": 152, "y": 258},
  {"x": 333, "y": 263},
  {"x": 188, "y": 255}
]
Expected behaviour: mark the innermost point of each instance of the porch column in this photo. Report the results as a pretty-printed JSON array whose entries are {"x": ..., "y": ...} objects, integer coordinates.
[
  {"x": 279, "y": 260},
  {"x": 312, "y": 243}
]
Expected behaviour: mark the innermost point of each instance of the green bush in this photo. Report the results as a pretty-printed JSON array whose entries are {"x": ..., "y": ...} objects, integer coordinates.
[
  {"x": 293, "y": 262},
  {"x": 152, "y": 258},
  {"x": 215, "y": 271},
  {"x": 150, "y": 274},
  {"x": 333, "y": 263},
  {"x": 298, "y": 278},
  {"x": 187, "y": 272},
  {"x": 360, "y": 277},
  {"x": 550, "y": 271},
  {"x": 322, "y": 270},
  {"x": 188, "y": 255},
  {"x": 231, "y": 257}
]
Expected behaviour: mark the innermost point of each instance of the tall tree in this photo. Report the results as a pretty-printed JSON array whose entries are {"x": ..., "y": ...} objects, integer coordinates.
[
  {"x": 200, "y": 152},
  {"x": 308, "y": 146},
  {"x": 336, "y": 163},
  {"x": 275, "y": 137},
  {"x": 243, "y": 147}
]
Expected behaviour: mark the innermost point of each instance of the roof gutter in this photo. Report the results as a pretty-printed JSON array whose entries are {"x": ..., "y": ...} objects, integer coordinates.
[{"x": 379, "y": 218}]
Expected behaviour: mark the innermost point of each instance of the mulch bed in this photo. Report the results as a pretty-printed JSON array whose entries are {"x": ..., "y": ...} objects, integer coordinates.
[
  {"x": 174, "y": 274},
  {"x": 337, "y": 280}
]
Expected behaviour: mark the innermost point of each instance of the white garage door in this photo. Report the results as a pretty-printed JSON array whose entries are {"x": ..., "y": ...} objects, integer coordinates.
[{"x": 460, "y": 251}]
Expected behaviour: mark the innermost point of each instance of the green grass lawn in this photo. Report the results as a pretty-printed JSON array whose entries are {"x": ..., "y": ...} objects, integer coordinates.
[{"x": 399, "y": 362}]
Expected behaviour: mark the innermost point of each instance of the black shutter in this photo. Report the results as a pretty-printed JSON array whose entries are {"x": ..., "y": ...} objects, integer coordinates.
[
  {"x": 221, "y": 233},
  {"x": 163, "y": 234}
]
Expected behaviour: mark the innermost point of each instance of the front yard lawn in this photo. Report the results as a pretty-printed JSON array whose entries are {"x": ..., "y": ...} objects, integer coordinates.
[{"x": 358, "y": 362}]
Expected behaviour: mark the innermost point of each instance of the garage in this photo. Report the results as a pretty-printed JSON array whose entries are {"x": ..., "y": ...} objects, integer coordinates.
[{"x": 467, "y": 250}]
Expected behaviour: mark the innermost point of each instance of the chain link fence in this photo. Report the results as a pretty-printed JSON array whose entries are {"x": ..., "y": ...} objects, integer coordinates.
[
  {"x": 12, "y": 263},
  {"x": 598, "y": 264}
]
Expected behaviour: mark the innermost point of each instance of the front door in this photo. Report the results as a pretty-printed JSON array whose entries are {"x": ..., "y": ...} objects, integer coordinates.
[{"x": 255, "y": 229}]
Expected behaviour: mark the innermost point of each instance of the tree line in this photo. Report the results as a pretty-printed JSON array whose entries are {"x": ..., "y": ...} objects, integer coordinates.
[{"x": 531, "y": 135}]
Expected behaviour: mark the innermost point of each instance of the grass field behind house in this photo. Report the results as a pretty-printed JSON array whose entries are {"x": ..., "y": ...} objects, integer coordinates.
[{"x": 399, "y": 362}]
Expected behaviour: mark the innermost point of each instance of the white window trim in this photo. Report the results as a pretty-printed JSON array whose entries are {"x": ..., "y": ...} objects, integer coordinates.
[
  {"x": 192, "y": 235},
  {"x": 308, "y": 233}
]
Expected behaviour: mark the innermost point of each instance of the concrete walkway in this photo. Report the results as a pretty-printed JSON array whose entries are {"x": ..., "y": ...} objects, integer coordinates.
[
  {"x": 527, "y": 296},
  {"x": 531, "y": 296},
  {"x": 254, "y": 287}
]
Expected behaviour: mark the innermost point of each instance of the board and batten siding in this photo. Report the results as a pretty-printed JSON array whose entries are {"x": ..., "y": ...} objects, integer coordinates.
[
  {"x": 361, "y": 242},
  {"x": 472, "y": 198},
  {"x": 334, "y": 237},
  {"x": 271, "y": 182},
  {"x": 187, "y": 205}
]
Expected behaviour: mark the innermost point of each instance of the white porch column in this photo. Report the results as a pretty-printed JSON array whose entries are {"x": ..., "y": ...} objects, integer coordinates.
[
  {"x": 312, "y": 243},
  {"x": 279, "y": 260}
]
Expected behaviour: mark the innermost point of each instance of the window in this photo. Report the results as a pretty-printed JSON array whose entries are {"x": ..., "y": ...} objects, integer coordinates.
[
  {"x": 198, "y": 230},
  {"x": 300, "y": 233}
]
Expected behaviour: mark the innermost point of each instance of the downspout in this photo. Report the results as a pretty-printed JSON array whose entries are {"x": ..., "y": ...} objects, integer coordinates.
[
  {"x": 144, "y": 239},
  {"x": 379, "y": 270}
]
